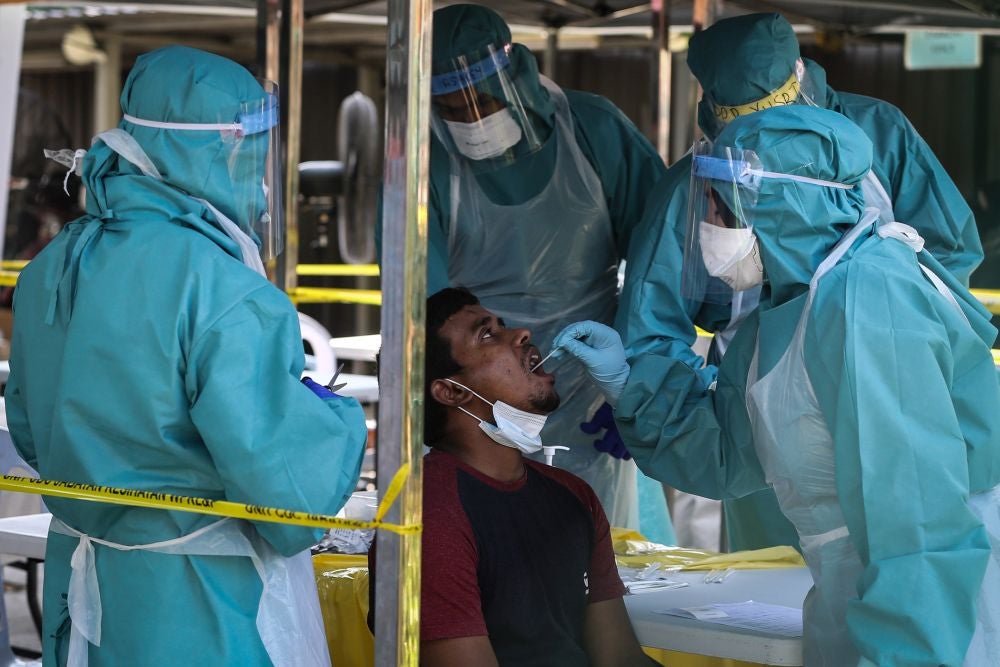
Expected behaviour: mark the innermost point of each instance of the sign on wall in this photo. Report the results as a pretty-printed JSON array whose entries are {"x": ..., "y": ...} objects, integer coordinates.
[{"x": 925, "y": 49}]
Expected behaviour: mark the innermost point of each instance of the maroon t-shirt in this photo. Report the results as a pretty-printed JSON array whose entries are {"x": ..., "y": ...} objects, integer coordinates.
[{"x": 516, "y": 561}]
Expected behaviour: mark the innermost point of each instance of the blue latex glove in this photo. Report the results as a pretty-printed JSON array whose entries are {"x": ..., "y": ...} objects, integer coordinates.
[
  {"x": 599, "y": 348},
  {"x": 611, "y": 442},
  {"x": 320, "y": 390}
]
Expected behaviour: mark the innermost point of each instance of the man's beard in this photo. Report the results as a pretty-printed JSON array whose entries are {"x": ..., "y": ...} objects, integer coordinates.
[{"x": 545, "y": 403}]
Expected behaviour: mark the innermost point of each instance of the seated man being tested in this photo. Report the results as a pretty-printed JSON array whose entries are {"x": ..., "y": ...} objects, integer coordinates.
[{"x": 517, "y": 563}]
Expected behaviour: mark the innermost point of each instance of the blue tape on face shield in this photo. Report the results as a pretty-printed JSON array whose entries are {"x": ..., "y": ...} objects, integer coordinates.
[
  {"x": 721, "y": 169},
  {"x": 262, "y": 120},
  {"x": 449, "y": 82}
]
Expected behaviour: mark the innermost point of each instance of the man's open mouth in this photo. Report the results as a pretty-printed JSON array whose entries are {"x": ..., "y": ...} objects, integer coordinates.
[{"x": 532, "y": 360}]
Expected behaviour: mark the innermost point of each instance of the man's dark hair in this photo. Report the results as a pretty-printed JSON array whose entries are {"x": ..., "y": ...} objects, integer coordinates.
[{"x": 438, "y": 362}]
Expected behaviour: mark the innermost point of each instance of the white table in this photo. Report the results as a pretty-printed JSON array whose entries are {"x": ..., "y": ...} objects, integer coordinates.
[
  {"x": 25, "y": 536},
  {"x": 356, "y": 348},
  {"x": 786, "y": 586},
  {"x": 362, "y": 387}
]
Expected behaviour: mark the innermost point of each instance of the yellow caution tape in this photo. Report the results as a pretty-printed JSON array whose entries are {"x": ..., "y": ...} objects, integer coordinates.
[
  {"x": 368, "y": 297},
  {"x": 13, "y": 264},
  {"x": 337, "y": 269},
  {"x": 226, "y": 508},
  {"x": 785, "y": 94},
  {"x": 989, "y": 298},
  {"x": 8, "y": 278}
]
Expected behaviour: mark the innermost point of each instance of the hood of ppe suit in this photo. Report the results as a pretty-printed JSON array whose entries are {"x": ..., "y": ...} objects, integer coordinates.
[
  {"x": 797, "y": 224},
  {"x": 181, "y": 85},
  {"x": 742, "y": 59},
  {"x": 460, "y": 30}
]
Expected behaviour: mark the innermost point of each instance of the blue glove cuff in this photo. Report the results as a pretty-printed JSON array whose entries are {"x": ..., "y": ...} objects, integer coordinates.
[{"x": 318, "y": 389}]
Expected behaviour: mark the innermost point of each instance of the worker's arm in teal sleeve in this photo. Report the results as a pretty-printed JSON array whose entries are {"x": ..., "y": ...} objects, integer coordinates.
[
  {"x": 272, "y": 440},
  {"x": 923, "y": 194},
  {"x": 17, "y": 410},
  {"x": 17, "y": 418},
  {"x": 653, "y": 316},
  {"x": 437, "y": 243},
  {"x": 902, "y": 475},
  {"x": 925, "y": 197},
  {"x": 686, "y": 435},
  {"x": 623, "y": 158}
]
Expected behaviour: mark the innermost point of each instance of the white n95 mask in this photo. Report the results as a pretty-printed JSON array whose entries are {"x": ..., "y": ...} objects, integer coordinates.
[
  {"x": 487, "y": 138},
  {"x": 514, "y": 428},
  {"x": 731, "y": 255}
]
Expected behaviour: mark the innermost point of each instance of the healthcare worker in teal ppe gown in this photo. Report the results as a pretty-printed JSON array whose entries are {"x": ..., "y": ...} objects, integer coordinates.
[
  {"x": 862, "y": 389},
  {"x": 150, "y": 352},
  {"x": 746, "y": 63},
  {"x": 534, "y": 193}
]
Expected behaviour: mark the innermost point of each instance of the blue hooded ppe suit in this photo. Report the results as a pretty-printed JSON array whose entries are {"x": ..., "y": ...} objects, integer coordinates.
[
  {"x": 863, "y": 390},
  {"x": 738, "y": 61},
  {"x": 146, "y": 355},
  {"x": 539, "y": 239}
]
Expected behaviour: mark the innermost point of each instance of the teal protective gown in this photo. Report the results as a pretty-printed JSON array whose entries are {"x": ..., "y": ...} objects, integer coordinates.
[
  {"x": 539, "y": 239},
  {"x": 907, "y": 402},
  {"x": 146, "y": 355},
  {"x": 654, "y": 316}
]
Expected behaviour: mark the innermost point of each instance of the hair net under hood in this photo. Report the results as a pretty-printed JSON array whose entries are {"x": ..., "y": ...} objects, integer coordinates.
[{"x": 797, "y": 224}]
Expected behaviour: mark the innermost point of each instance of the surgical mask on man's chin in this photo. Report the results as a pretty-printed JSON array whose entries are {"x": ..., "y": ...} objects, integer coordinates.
[
  {"x": 514, "y": 428},
  {"x": 487, "y": 138},
  {"x": 731, "y": 255}
]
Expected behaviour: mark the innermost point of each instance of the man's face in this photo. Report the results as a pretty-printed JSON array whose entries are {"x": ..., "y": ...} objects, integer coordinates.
[
  {"x": 718, "y": 213},
  {"x": 496, "y": 361},
  {"x": 467, "y": 105}
]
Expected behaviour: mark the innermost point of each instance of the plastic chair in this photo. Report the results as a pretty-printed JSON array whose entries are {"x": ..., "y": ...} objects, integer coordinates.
[{"x": 324, "y": 361}]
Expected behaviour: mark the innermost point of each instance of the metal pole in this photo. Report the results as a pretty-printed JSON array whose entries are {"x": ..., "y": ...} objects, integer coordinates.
[
  {"x": 268, "y": 66},
  {"x": 401, "y": 371},
  {"x": 290, "y": 58},
  {"x": 369, "y": 83},
  {"x": 12, "y": 19},
  {"x": 268, "y": 23},
  {"x": 683, "y": 107},
  {"x": 108, "y": 84},
  {"x": 664, "y": 63},
  {"x": 550, "y": 61}
]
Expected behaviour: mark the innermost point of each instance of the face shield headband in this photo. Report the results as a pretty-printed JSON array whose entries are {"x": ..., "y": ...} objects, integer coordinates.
[
  {"x": 451, "y": 82},
  {"x": 247, "y": 122}
]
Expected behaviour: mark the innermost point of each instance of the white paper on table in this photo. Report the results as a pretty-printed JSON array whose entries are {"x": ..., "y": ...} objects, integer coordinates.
[
  {"x": 636, "y": 587},
  {"x": 770, "y": 618}
]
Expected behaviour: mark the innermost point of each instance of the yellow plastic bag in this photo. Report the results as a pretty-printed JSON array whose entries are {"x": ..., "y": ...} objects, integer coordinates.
[
  {"x": 342, "y": 582},
  {"x": 632, "y": 549}
]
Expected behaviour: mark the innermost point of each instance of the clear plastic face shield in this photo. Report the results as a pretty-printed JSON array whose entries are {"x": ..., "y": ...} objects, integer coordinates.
[
  {"x": 478, "y": 110},
  {"x": 797, "y": 89},
  {"x": 255, "y": 170},
  {"x": 720, "y": 250}
]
